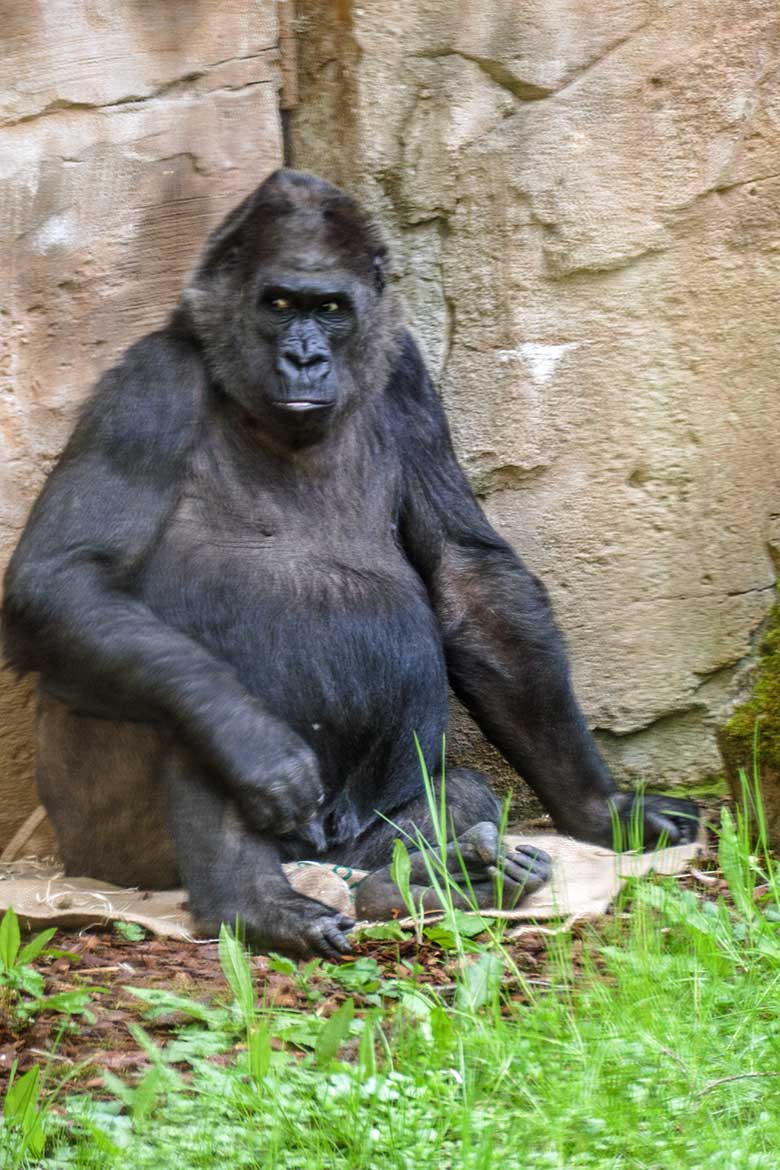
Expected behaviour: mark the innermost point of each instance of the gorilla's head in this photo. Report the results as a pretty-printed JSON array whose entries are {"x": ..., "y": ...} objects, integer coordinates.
[{"x": 290, "y": 302}]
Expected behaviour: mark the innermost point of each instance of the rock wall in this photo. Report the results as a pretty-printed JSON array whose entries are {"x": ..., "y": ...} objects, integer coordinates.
[
  {"x": 584, "y": 198},
  {"x": 127, "y": 130},
  {"x": 585, "y": 201}
]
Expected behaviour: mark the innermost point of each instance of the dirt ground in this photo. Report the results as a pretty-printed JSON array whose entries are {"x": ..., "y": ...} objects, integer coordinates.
[{"x": 103, "y": 959}]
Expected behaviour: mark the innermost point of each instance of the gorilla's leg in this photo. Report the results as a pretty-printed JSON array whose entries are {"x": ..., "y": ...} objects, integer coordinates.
[
  {"x": 99, "y": 782},
  {"x": 234, "y": 873},
  {"x": 474, "y": 853}
]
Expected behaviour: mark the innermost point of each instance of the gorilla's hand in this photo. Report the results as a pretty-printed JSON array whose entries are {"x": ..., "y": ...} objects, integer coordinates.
[
  {"x": 272, "y": 773},
  {"x": 630, "y": 820}
]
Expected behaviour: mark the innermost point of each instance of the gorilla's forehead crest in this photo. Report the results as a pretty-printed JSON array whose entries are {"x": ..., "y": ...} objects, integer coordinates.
[{"x": 307, "y": 217}]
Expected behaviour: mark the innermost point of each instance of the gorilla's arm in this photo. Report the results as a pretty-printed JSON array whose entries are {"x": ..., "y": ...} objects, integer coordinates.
[
  {"x": 506, "y": 659},
  {"x": 69, "y": 610}
]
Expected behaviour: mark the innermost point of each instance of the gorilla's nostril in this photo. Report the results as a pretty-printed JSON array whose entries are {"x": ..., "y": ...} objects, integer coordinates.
[{"x": 304, "y": 361}]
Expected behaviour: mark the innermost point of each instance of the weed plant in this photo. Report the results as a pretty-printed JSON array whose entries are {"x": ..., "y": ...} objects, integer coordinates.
[{"x": 657, "y": 1049}]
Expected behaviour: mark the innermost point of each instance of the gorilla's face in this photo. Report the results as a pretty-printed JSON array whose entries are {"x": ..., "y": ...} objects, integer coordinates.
[
  {"x": 306, "y": 324},
  {"x": 310, "y": 318},
  {"x": 291, "y": 305}
]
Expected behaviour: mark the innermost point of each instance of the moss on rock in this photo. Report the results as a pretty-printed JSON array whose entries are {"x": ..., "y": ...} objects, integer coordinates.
[
  {"x": 754, "y": 730},
  {"x": 761, "y": 711}
]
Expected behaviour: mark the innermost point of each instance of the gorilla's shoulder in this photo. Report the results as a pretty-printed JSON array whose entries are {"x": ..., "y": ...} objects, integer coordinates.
[{"x": 151, "y": 402}]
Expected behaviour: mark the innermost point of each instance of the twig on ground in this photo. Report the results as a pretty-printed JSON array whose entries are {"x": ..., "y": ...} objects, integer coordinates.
[
  {"x": 706, "y": 879},
  {"x": 737, "y": 1077}
]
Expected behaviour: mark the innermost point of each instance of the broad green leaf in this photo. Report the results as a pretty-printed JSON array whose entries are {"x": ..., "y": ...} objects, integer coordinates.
[
  {"x": 383, "y": 932},
  {"x": 281, "y": 964},
  {"x": 235, "y": 965},
  {"x": 401, "y": 872},
  {"x": 415, "y": 1002},
  {"x": 28, "y": 980},
  {"x": 441, "y": 936},
  {"x": 34, "y": 1136},
  {"x": 466, "y": 925},
  {"x": 258, "y": 1044},
  {"x": 163, "y": 1002},
  {"x": 21, "y": 1100},
  {"x": 333, "y": 1033},
  {"x": 735, "y": 864},
  {"x": 10, "y": 938},
  {"x": 455, "y": 929},
  {"x": 36, "y": 945},
  {"x": 131, "y": 931},
  {"x": 366, "y": 1050},
  {"x": 70, "y": 1003},
  {"x": 363, "y": 974},
  {"x": 145, "y": 1094},
  {"x": 480, "y": 982},
  {"x": 443, "y": 1031},
  {"x": 117, "y": 1086}
]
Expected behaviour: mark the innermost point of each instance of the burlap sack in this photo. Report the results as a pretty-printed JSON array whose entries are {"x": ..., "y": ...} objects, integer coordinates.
[{"x": 585, "y": 881}]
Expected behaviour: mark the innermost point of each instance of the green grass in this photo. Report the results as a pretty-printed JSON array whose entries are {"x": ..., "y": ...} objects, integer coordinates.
[{"x": 656, "y": 1044}]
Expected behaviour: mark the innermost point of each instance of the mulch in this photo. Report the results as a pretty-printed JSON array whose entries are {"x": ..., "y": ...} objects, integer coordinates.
[{"x": 102, "y": 959}]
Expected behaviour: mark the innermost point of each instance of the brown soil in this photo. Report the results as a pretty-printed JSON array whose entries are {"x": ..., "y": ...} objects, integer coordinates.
[{"x": 103, "y": 959}]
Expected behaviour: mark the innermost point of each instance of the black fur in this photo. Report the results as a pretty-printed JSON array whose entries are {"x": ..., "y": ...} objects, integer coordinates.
[{"x": 249, "y": 578}]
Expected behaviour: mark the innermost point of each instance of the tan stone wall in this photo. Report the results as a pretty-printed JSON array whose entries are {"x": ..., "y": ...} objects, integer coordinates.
[
  {"x": 127, "y": 130},
  {"x": 585, "y": 197}
]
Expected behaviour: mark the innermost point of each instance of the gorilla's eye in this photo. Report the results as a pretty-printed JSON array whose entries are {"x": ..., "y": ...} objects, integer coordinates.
[
  {"x": 280, "y": 304},
  {"x": 330, "y": 307}
]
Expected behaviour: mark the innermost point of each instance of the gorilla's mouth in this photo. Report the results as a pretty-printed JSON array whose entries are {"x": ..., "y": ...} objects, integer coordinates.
[{"x": 302, "y": 405}]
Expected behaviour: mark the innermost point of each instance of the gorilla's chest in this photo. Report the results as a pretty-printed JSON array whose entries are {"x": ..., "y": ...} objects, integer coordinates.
[
  {"x": 268, "y": 527},
  {"x": 298, "y": 581}
]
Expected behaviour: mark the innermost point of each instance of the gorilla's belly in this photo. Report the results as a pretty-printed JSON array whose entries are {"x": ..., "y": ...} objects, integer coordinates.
[{"x": 348, "y": 653}]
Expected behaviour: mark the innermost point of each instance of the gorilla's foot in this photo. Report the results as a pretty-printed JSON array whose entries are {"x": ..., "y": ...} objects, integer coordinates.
[
  {"x": 486, "y": 873},
  {"x": 496, "y": 874},
  {"x": 290, "y": 923}
]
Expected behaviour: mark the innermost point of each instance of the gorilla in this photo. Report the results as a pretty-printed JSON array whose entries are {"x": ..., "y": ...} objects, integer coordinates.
[{"x": 251, "y": 577}]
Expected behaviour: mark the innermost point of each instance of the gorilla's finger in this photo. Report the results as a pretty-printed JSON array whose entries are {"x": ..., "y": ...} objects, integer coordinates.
[
  {"x": 527, "y": 859},
  {"x": 659, "y": 828},
  {"x": 664, "y": 820},
  {"x": 465, "y": 865},
  {"x": 284, "y": 827},
  {"x": 528, "y": 855},
  {"x": 684, "y": 814},
  {"x": 688, "y": 827},
  {"x": 484, "y": 894},
  {"x": 514, "y": 889},
  {"x": 331, "y": 936},
  {"x": 319, "y": 945},
  {"x": 521, "y": 876},
  {"x": 514, "y": 872},
  {"x": 314, "y": 832}
]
